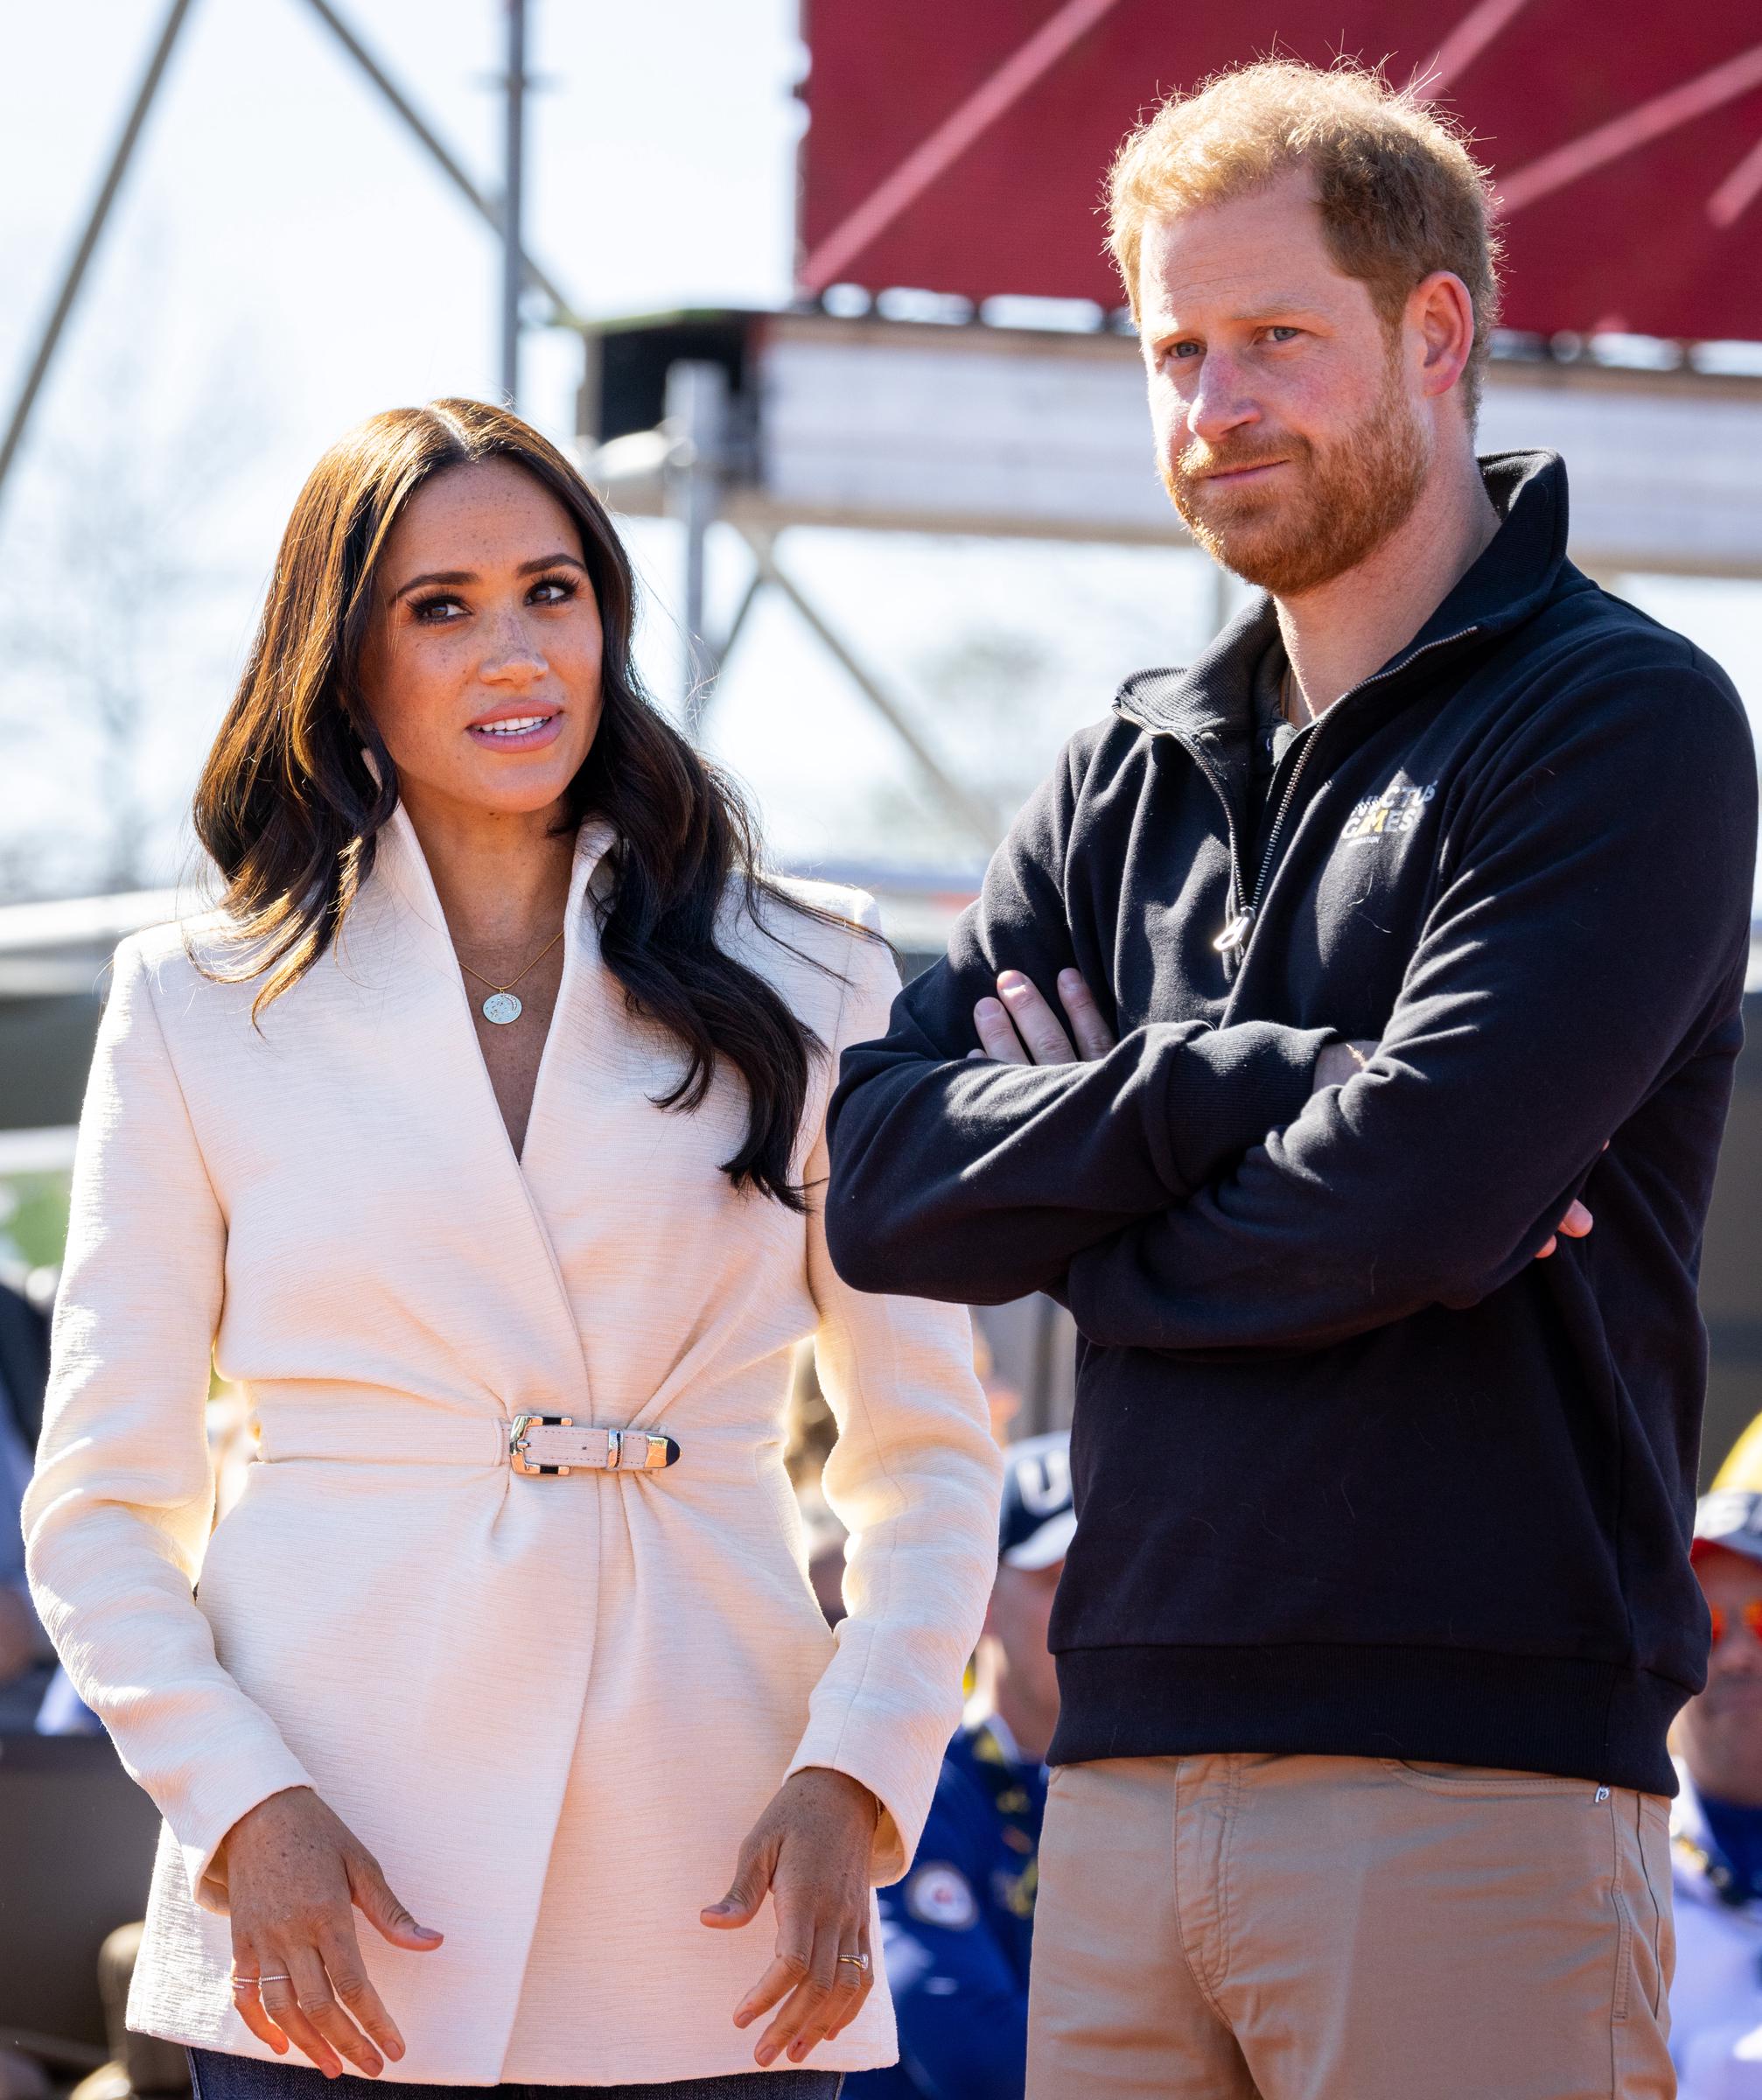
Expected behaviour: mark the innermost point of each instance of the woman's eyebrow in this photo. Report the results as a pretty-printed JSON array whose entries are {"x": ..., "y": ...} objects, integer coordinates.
[
  {"x": 470, "y": 576},
  {"x": 437, "y": 576}
]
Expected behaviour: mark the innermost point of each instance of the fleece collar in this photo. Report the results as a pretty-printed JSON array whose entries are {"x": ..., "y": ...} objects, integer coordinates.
[{"x": 1521, "y": 569}]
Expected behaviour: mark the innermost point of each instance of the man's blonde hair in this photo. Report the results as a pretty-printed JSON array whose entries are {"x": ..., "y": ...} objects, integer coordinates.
[{"x": 1401, "y": 195}]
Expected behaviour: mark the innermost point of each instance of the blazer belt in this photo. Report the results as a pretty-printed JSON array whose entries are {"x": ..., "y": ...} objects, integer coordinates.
[{"x": 558, "y": 1444}]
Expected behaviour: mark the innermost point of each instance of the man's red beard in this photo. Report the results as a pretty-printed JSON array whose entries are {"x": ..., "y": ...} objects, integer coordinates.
[{"x": 1320, "y": 512}]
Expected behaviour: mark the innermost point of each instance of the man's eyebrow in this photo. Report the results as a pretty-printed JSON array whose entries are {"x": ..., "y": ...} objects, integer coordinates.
[
  {"x": 1278, "y": 308},
  {"x": 470, "y": 576}
]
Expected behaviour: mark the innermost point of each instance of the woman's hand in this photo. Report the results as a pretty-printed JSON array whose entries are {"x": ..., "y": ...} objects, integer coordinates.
[
  {"x": 811, "y": 1848},
  {"x": 296, "y": 1874}
]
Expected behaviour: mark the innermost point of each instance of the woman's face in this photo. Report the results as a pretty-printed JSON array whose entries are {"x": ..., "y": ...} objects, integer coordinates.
[{"x": 482, "y": 668}]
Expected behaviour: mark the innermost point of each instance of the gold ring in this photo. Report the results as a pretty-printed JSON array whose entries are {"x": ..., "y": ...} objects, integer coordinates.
[{"x": 856, "y": 1961}]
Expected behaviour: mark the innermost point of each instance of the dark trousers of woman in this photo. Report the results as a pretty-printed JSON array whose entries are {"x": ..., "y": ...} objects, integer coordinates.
[{"x": 221, "y": 2077}]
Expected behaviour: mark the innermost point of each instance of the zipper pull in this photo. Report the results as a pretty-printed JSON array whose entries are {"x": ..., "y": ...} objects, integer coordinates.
[{"x": 1236, "y": 933}]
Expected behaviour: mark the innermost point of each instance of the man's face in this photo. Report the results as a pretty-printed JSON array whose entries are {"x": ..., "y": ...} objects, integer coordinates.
[
  {"x": 1721, "y": 1731},
  {"x": 1291, "y": 429}
]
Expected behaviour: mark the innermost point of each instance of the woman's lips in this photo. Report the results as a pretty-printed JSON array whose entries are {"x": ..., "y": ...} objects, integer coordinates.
[{"x": 517, "y": 732}]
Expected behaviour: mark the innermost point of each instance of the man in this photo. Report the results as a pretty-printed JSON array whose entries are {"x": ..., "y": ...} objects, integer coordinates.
[
  {"x": 1717, "y": 1825},
  {"x": 26, "y": 1660},
  {"x": 958, "y": 1927},
  {"x": 1428, "y": 881}
]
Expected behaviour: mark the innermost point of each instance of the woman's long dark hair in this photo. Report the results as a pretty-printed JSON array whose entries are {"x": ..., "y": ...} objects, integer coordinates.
[{"x": 290, "y": 809}]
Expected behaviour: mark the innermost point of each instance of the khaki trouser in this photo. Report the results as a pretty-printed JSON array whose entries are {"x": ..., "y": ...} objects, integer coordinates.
[{"x": 1255, "y": 1928}]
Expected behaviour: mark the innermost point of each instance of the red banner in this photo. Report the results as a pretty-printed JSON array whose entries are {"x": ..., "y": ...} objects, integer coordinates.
[{"x": 960, "y": 145}]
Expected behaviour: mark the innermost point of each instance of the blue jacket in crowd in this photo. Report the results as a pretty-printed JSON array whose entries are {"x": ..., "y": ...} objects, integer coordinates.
[{"x": 957, "y": 1929}]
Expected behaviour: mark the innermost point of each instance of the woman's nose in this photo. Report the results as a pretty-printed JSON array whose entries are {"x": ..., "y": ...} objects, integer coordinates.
[{"x": 515, "y": 655}]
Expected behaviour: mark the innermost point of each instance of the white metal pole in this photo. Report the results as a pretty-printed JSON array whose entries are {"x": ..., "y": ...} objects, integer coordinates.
[
  {"x": 513, "y": 254},
  {"x": 697, "y": 416},
  {"x": 44, "y": 355}
]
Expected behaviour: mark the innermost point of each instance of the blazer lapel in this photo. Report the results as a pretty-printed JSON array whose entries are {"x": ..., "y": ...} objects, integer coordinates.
[{"x": 410, "y": 929}]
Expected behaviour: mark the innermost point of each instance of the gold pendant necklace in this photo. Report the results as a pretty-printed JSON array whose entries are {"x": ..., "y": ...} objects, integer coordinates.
[{"x": 501, "y": 1006}]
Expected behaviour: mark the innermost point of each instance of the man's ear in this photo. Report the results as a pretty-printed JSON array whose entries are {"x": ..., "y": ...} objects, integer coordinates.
[{"x": 1441, "y": 315}]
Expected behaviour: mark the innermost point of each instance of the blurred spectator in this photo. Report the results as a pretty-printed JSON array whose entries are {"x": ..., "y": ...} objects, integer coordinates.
[
  {"x": 26, "y": 1660},
  {"x": 139, "y": 2064},
  {"x": 1716, "y": 1824},
  {"x": 809, "y": 1435},
  {"x": 957, "y": 1929}
]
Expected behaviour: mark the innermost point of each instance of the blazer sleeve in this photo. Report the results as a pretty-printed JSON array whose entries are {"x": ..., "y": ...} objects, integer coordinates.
[
  {"x": 117, "y": 1517},
  {"x": 915, "y": 1478}
]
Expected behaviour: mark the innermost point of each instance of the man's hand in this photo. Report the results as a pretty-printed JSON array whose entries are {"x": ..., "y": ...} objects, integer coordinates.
[
  {"x": 1342, "y": 1062},
  {"x": 811, "y": 1850},
  {"x": 1018, "y": 1027}
]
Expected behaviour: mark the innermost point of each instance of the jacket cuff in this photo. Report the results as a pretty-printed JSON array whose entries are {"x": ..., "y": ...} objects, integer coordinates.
[
  {"x": 844, "y": 1745},
  {"x": 1229, "y": 1087},
  {"x": 202, "y": 1819}
]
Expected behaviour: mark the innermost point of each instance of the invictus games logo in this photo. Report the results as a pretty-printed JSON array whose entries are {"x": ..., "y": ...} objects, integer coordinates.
[{"x": 1397, "y": 808}]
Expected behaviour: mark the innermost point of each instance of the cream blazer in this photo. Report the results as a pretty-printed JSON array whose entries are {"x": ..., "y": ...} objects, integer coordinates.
[{"x": 550, "y": 1706}]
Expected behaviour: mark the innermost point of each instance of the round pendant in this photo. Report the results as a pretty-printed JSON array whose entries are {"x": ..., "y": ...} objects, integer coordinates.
[{"x": 502, "y": 1007}]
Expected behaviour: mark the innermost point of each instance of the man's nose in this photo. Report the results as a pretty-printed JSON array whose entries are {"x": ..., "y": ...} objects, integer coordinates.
[{"x": 1220, "y": 401}]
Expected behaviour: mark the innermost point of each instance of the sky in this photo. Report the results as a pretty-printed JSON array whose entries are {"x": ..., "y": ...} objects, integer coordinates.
[{"x": 283, "y": 261}]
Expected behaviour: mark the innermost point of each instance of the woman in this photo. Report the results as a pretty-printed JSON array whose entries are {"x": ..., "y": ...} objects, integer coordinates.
[{"x": 477, "y": 1136}]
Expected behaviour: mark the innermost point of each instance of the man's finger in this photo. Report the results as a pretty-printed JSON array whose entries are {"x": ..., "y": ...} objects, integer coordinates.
[
  {"x": 1035, "y": 1023},
  {"x": 1576, "y": 1222},
  {"x": 1094, "y": 1038},
  {"x": 999, "y": 1040}
]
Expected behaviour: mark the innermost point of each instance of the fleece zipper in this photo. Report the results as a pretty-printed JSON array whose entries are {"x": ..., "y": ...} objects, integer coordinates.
[{"x": 1232, "y": 943}]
